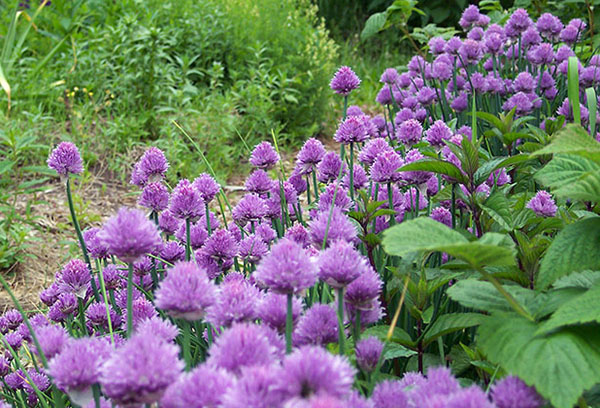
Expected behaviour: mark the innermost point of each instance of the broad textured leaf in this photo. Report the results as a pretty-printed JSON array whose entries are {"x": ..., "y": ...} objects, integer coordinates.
[
  {"x": 373, "y": 25},
  {"x": 571, "y": 176},
  {"x": 582, "y": 309},
  {"x": 427, "y": 235},
  {"x": 481, "y": 295},
  {"x": 560, "y": 365},
  {"x": 497, "y": 207},
  {"x": 584, "y": 279},
  {"x": 436, "y": 166},
  {"x": 451, "y": 322},
  {"x": 572, "y": 139},
  {"x": 394, "y": 350},
  {"x": 576, "y": 248},
  {"x": 381, "y": 331}
]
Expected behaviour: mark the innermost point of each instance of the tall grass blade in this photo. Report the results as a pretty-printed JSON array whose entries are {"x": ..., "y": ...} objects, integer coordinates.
[
  {"x": 573, "y": 88},
  {"x": 592, "y": 104}
]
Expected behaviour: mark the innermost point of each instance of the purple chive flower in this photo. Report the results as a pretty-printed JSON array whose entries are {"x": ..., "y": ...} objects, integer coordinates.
[
  {"x": 426, "y": 96},
  {"x": 340, "y": 264},
  {"x": 470, "y": 51},
  {"x": 221, "y": 246},
  {"x": 272, "y": 310},
  {"x": 259, "y": 182},
  {"x": 40, "y": 380},
  {"x": 243, "y": 345},
  {"x": 344, "y": 81},
  {"x": 518, "y": 23},
  {"x": 452, "y": 46},
  {"x": 140, "y": 371},
  {"x": 96, "y": 316},
  {"x": 512, "y": 392},
  {"x": 198, "y": 234},
  {"x": 342, "y": 201},
  {"x": 266, "y": 232},
  {"x": 264, "y": 156},
  {"x": 251, "y": 208},
  {"x": 414, "y": 177},
  {"x": 185, "y": 292},
  {"x": 310, "y": 155},
  {"x": 436, "y": 45},
  {"x": 409, "y": 132},
  {"x": 524, "y": 82},
  {"x": 206, "y": 185},
  {"x": 329, "y": 167},
  {"x": 459, "y": 104},
  {"x": 236, "y": 302},
  {"x": 12, "y": 319},
  {"x": 410, "y": 200},
  {"x": 521, "y": 101},
  {"x": 363, "y": 290},
  {"x": 172, "y": 252},
  {"x": 298, "y": 182},
  {"x": 14, "y": 340},
  {"x": 15, "y": 379},
  {"x": 384, "y": 96},
  {"x": 4, "y": 366},
  {"x": 372, "y": 149},
  {"x": 113, "y": 278},
  {"x": 153, "y": 165},
  {"x": 186, "y": 202},
  {"x": 440, "y": 214},
  {"x": 75, "y": 278},
  {"x": 439, "y": 382},
  {"x": 476, "y": 34},
  {"x": 469, "y": 17},
  {"x": 368, "y": 352},
  {"x": 389, "y": 394},
  {"x": 299, "y": 234},
  {"x": 77, "y": 367},
  {"x": 385, "y": 168},
  {"x": 287, "y": 269},
  {"x": 95, "y": 248},
  {"x": 129, "y": 235},
  {"x": 336, "y": 227},
  {"x": 441, "y": 69},
  {"x": 542, "y": 54},
  {"x": 313, "y": 371},
  {"x": 549, "y": 26},
  {"x": 155, "y": 197},
  {"x": 254, "y": 388},
  {"x": 390, "y": 76},
  {"x": 354, "y": 110},
  {"x": 143, "y": 309},
  {"x": 542, "y": 204},
  {"x": 438, "y": 133},
  {"x": 65, "y": 159},
  {"x": 531, "y": 37},
  {"x": 143, "y": 266},
  {"x": 360, "y": 179},
  {"x": 433, "y": 185},
  {"x": 157, "y": 327},
  {"x": 202, "y": 387},
  {"x": 351, "y": 130},
  {"x": 252, "y": 249},
  {"x": 168, "y": 223},
  {"x": 318, "y": 326}
]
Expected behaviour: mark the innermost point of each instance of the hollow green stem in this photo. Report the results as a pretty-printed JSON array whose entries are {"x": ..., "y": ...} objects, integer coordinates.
[
  {"x": 352, "y": 171},
  {"x": 207, "y": 212},
  {"x": 341, "y": 334},
  {"x": 106, "y": 303},
  {"x": 188, "y": 248},
  {"x": 288, "y": 324},
  {"x": 130, "y": 300}
]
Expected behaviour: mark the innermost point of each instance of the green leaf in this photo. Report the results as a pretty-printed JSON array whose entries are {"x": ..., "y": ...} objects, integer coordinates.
[
  {"x": 582, "y": 309},
  {"x": 451, "y": 322},
  {"x": 573, "y": 88},
  {"x": 436, "y": 166},
  {"x": 373, "y": 25},
  {"x": 399, "y": 336},
  {"x": 560, "y": 365},
  {"x": 497, "y": 207},
  {"x": 394, "y": 350},
  {"x": 480, "y": 295},
  {"x": 487, "y": 168},
  {"x": 576, "y": 248},
  {"x": 592, "y": 104},
  {"x": 426, "y": 235},
  {"x": 572, "y": 139},
  {"x": 571, "y": 176},
  {"x": 492, "y": 120},
  {"x": 585, "y": 279}
]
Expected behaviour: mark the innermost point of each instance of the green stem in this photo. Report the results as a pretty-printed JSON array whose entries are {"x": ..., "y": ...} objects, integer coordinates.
[
  {"x": 509, "y": 298},
  {"x": 341, "y": 334},
  {"x": 187, "y": 343},
  {"x": 352, "y": 171},
  {"x": 288, "y": 324},
  {"x": 314, "y": 176},
  {"x": 391, "y": 202},
  {"x": 357, "y": 326},
  {"x": 207, "y": 212},
  {"x": 82, "y": 315},
  {"x": 106, "y": 303},
  {"x": 80, "y": 238},
  {"x": 188, "y": 249},
  {"x": 130, "y": 300}
]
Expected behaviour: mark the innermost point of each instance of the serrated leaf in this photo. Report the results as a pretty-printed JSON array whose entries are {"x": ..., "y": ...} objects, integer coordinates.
[
  {"x": 572, "y": 176},
  {"x": 582, "y": 309},
  {"x": 373, "y": 25},
  {"x": 497, "y": 207},
  {"x": 438, "y": 167},
  {"x": 572, "y": 139},
  {"x": 480, "y": 295},
  {"x": 574, "y": 249},
  {"x": 560, "y": 365},
  {"x": 451, "y": 322},
  {"x": 584, "y": 279},
  {"x": 427, "y": 235},
  {"x": 394, "y": 350}
]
